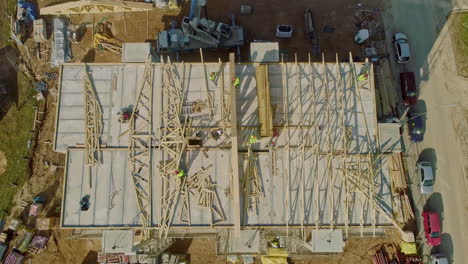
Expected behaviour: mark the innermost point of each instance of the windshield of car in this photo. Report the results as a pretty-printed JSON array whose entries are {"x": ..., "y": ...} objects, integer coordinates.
[
  {"x": 411, "y": 93},
  {"x": 435, "y": 234},
  {"x": 428, "y": 182},
  {"x": 402, "y": 41}
]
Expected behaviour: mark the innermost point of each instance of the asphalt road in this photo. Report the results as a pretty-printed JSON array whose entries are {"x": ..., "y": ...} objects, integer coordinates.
[{"x": 442, "y": 91}]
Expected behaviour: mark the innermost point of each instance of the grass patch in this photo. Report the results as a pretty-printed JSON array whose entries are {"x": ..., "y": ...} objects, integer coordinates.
[
  {"x": 463, "y": 29},
  {"x": 16, "y": 125},
  {"x": 459, "y": 35},
  {"x": 15, "y": 132}
]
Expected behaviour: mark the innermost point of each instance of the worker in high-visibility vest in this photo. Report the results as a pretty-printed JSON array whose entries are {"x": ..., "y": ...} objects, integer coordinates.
[
  {"x": 180, "y": 173},
  {"x": 236, "y": 81},
  {"x": 213, "y": 76},
  {"x": 363, "y": 77},
  {"x": 253, "y": 139}
]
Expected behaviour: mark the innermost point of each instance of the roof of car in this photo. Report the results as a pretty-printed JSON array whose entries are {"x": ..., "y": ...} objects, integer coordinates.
[
  {"x": 405, "y": 51},
  {"x": 434, "y": 221},
  {"x": 442, "y": 260},
  {"x": 428, "y": 172},
  {"x": 417, "y": 118},
  {"x": 399, "y": 35}
]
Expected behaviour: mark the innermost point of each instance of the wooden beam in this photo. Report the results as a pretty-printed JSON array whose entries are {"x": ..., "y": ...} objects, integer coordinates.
[
  {"x": 234, "y": 151},
  {"x": 95, "y": 7},
  {"x": 284, "y": 76},
  {"x": 209, "y": 97},
  {"x": 264, "y": 108}
]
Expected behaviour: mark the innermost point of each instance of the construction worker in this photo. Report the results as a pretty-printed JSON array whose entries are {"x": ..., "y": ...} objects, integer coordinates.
[
  {"x": 271, "y": 144},
  {"x": 236, "y": 81},
  {"x": 363, "y": 77},
  {"x": 180, "y": 173},
  {"x": 253, "y": 139},
  {"x": 275, "y": 243},
  {"x": 213, "y": 76}
]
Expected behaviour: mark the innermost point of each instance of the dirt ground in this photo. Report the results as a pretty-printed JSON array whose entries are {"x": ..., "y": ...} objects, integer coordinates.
[
  {"x": 356, "y": 251},
  {"x": 334, "y": 24}
]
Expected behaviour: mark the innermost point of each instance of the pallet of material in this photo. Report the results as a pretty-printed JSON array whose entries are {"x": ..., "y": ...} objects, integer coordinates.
[
  {"x": 397, "y": 172},
  {"x": 380, "y": 258}
]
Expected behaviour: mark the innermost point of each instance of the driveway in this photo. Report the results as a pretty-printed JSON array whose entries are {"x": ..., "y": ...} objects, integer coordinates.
[{"x": 442, "y": 93}]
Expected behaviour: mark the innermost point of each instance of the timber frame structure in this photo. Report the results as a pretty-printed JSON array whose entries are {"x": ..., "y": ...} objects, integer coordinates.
[
  {"x": 93, "y": 122},
  {"x": 95, "y": 7},
  {"x": 318, "y": 164},
  {"x": 172, "y": 144},
  {"x": 140, "y": 148}
]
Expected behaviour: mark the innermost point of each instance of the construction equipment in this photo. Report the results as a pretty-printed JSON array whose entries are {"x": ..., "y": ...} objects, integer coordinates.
[{"x": 199, "y": 32}]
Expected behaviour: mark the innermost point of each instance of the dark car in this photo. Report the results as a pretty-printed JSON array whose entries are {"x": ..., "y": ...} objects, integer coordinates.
[
  {"x": 416, "y": 126},
  {"x": 408, "y": 88}
]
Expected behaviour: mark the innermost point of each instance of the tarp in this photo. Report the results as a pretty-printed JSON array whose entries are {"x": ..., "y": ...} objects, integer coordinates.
[
  {"x": 408, "y": 248},
  {"x": 30, "y": 8},
  {"x": 275, "y": 256},
  {"x": 274, "y": 260}
]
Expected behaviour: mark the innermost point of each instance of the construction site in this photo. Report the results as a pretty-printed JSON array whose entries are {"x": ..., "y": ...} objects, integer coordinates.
[{"x": 257, "y": 154}]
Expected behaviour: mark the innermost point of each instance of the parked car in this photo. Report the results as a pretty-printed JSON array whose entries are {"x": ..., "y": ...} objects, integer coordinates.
[
  {"x": 426, "y": 177},
  {"x": 402, "y": 49},
  {"x": 416, "y": 126},
  {"x": 408, "y": 88},
  {"x": 431, "y": 222},
  {"x": 439, "y": 259}
]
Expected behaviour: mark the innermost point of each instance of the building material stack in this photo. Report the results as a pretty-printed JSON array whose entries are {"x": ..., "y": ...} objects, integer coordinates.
[{"x": 402, "y": 206}]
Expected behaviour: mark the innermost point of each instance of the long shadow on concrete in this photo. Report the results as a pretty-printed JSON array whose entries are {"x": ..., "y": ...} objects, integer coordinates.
[
  {"x": 435, "y": 203},
  {"x": 446, "y": 248}
]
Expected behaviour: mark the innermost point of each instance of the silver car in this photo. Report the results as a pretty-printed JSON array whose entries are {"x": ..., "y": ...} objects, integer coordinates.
[
  {"x": 439, "y": 259},
  {"x": 426, "y": 177},
  {"x": 402, "y": 49}
]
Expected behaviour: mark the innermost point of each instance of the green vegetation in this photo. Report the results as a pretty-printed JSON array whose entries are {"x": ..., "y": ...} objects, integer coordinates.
[
  {"x": 463, "y": 29},
  {"x": 15, "y": 127},
  {"x": 15, "y": 132},
  {"x": 459, "y": 36}
]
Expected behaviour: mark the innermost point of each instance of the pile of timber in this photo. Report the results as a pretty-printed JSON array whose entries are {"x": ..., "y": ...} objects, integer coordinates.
[
  {"x": 380, "y": 258},
  {"x": 402, "y": 206}
]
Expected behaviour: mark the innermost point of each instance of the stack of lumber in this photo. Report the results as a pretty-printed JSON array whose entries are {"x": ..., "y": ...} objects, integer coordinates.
[
  {"x": 380, "y": 258},
  {"x": 401, "y": 203}
]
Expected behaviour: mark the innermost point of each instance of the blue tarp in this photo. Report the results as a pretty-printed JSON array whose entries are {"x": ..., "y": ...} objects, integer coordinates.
[{"x": 30, "y": 8}]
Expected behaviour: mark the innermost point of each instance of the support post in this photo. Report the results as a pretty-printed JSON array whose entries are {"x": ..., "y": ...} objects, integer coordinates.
[{"x": 234, "y": 151}]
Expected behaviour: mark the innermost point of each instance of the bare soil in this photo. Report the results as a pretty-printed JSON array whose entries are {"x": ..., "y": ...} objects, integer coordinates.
[{"x": 357, "y": 251}]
